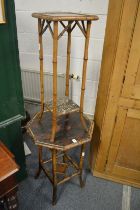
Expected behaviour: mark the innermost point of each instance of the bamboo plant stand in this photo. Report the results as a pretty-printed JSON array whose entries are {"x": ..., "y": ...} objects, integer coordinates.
[{"x": 61, "y": 125}]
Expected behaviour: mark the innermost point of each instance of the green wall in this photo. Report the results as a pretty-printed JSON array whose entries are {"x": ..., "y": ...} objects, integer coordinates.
[{"x": 11, "y": 97}]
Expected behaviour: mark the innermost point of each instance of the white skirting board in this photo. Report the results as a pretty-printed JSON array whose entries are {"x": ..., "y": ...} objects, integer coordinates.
[
  {"x": 126, "y": 197},
  {"x": 26, "y": 149}
]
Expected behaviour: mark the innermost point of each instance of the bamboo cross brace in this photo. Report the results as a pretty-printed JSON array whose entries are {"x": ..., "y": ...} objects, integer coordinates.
[
  {"x": 83, "y": 25},
  {"x": 68, "y": 60},
  {"x": 65, "y": 29},
  {"x": 71, "y": 160},
  {"x": 84, "y": 73},
  {"x": 50, "y": 29},
  {"x": 55, "y": 50},
  {"x": 43, "y": 31},
  {"x": 41, "y": 69},
  {"x": 47, "y": 173},
  {"x": 45, "y": 28},
  {"x": 68, "y": 178},
  {"x": 73, "y": 26},
  {"x": 42, "y": 25},
  {"x": 62, "y": 24},
  {"x": 80, "y": 27}
]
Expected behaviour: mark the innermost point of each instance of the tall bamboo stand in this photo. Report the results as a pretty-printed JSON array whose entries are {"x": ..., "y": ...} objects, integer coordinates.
[{"x": 74, "y": 128}]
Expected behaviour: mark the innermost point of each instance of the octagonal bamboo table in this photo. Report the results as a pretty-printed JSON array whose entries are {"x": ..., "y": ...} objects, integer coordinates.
[{"x": 61, "y": 125}]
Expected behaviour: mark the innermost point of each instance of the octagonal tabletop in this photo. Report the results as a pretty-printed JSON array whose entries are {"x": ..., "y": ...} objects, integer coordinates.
[{"x": 70, "y": 132}]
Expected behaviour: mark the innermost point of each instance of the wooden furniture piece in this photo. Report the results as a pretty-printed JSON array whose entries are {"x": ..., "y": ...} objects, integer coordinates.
[
  {"x": 8, "y": 184},
  {"x": 68, "y": 21},
  {"x": 62, "y": 125},
  {"x": 115, "y": 147}
]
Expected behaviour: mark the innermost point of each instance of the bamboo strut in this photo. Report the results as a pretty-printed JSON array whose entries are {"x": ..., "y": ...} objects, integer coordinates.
[
  {"x": 84, "y": 73},
  {"x": 83, "y": 25},
  {"x": 82, "y": 29},
  {"x": 65, "y": 29},
  {"x": 49, "y": 160},
  {"x": 47, "y": 173},
  {"x": 50, "y": 29},
  {"x": 68, "y": 60},
  {"x": 55, "y": 49},
  {"x": 42, "y": 25},
  {"x": 68, "y": 178},
  {"x": 44, "y": 28},
  {"x": 62, "y": 24},
  {"x": 41, "y": 68},
  {"x": 73, "y": 26},
  {"x": 73, "y": 162}
]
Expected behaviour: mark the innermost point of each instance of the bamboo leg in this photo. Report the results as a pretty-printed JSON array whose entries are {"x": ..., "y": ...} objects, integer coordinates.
[
  {"x": 82, "y": 154},
  {"x": 55, "y": 49},
  {"x": 68, "y": 60},
  {"x": 54, "y": 177},
  {"x": 39, "y": 161},
  {"x": 84, "y": 73},
  {"x": 41, "y": 69}
]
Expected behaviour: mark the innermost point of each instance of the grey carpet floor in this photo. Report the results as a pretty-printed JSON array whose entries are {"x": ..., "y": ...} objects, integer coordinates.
[{"x": 98, "y": 194}]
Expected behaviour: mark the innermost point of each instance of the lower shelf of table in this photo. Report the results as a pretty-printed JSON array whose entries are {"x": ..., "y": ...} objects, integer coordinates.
[
  {"x": 64, "y": 170},
  {"x": 64, "y": 106},
  {"x": 70, "y": 131}
]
